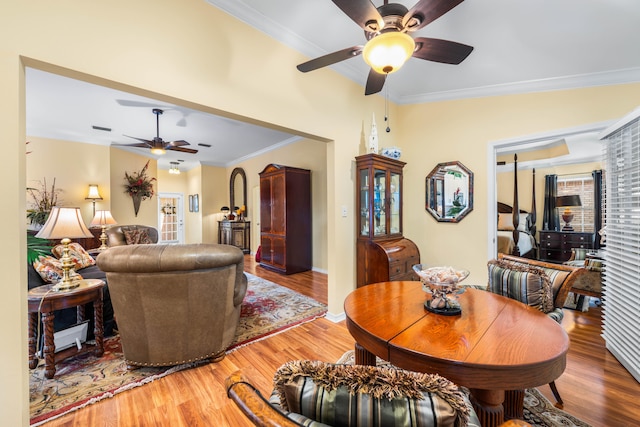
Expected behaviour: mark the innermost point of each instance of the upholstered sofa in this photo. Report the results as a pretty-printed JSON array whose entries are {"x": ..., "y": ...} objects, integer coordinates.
[
  {"x": 175, "y": 303},
  {"x": 119, "y": 235}
]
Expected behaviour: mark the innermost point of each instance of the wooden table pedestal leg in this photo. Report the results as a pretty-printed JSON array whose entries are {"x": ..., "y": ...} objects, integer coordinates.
[
  {"x": 49, "y": 348},
  {"x": 364, "y": 357},
  {"x": 33, "y": 339},
  {"x": 514, "y": 404},
  {"x": 488, "y": 406},
  {"x": 98, "y": 330}
]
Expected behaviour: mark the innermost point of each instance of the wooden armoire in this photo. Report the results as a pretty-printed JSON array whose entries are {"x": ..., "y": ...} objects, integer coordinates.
[{"x": 285, "y": 219}]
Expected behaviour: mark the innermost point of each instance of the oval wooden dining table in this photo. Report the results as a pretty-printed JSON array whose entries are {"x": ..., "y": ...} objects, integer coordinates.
[{"x": 497, "y": 346}]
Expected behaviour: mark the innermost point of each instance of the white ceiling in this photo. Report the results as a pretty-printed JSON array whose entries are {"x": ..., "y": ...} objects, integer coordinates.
[{"x": 520, "y": 46}]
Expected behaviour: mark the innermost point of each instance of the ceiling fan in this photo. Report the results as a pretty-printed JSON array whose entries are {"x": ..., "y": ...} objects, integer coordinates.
[
  {"x": 386, "y": 29},
  {"x": 157, "y": 145}
]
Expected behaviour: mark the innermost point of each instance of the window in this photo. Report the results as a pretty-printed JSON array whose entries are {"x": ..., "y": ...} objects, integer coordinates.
[
  {"x": 581, "y": 185},
  {"x": 621, "y": 289}
]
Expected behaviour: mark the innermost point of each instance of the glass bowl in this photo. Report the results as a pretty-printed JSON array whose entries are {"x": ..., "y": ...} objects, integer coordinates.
[{"x": 442, "y": 283}]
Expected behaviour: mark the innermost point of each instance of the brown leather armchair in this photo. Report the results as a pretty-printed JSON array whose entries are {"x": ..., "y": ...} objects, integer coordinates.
[
  {"x": 117, "y": 235},
  {"x": 175, "y": 303}
]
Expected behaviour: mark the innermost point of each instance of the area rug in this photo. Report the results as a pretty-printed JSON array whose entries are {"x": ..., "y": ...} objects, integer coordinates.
[
  {"x": 538, "y": 411},
  {"x": 267, "y": 309}
]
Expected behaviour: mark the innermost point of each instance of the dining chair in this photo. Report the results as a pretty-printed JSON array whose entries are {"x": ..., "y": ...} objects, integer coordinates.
[{"x": 536, "y": 283}]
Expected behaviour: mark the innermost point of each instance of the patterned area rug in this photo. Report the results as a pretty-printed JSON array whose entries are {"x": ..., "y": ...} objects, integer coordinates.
[
  {"x": 538, "y": 411},
  {"x": 267, "y": 309}
]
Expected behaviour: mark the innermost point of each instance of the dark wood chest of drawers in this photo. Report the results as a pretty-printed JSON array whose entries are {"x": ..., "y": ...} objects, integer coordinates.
[
  {"x": 386, "y": 261},
  {"x": 555, "y": 246}
]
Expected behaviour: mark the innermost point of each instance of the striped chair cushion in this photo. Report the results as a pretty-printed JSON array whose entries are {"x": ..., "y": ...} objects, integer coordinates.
[
  {"x": 593, "y": 264},
  {"x": 314, "y": 392},
  {"x": 524, "y": 283}
]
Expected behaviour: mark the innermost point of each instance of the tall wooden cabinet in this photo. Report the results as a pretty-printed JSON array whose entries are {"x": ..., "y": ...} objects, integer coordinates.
[
  {"x": 285, "y": 219},
  {"x": 383, "y": 254}
]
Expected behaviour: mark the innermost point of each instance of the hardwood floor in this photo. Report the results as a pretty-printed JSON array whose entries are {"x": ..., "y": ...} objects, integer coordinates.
[{"x": 594, "y": 386}]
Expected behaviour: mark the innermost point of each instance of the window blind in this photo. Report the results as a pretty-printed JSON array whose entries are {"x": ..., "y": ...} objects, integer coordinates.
[{"x": 621, "y": 283}]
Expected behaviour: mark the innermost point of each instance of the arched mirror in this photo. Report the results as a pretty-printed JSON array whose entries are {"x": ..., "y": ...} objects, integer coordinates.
[
  {"x": 449, "y": 189},
  {"x": 238, "y": 190}
]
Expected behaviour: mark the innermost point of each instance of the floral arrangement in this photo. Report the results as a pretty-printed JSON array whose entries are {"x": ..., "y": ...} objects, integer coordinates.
[
  {"x": 42, "y": 200},
  {"x": 139, "y": 184}
]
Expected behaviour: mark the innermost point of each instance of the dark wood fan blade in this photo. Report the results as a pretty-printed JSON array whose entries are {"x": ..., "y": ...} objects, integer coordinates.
[
  {"x": 146, "y": 141},
  {"x": 178, "y": 143},
  {"x": 141, "y": 145},
  {"x": 375, "y": 82},
  {"x": 363, "y": 13},
  {"x": 444, "y": 51},
  {"x": 184, "y": 150},
  {"x": 331, "y": 58},
  {"x": 427, "y": 11}
]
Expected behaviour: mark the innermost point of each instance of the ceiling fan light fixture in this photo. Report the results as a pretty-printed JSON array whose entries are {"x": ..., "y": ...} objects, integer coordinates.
[
  {"x": 158, "y": 151},
  {"x": 387, "y": 52}
]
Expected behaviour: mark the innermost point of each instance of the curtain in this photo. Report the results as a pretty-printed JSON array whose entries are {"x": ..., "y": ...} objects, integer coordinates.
[
  {"x": 597, "y": 205},
  {"x": 550, "y": 218}
]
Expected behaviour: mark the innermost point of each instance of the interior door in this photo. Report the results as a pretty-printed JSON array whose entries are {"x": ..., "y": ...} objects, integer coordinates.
[{"x": 170, "y": 218}]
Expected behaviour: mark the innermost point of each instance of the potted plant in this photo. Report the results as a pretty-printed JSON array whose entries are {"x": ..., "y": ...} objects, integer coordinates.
[{"x": 42, "y": 200}]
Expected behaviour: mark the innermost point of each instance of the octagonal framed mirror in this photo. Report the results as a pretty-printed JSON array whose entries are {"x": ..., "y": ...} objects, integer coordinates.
[{"x": 449, "y": 192}]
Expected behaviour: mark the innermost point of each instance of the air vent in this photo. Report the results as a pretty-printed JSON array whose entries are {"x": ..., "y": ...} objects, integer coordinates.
[
  {"x": 101, "y": 128},
  {"x": 205, "y": 145}
]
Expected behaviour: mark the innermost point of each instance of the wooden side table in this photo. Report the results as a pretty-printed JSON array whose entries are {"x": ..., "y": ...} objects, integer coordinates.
[{"x": 42, "y": 299}]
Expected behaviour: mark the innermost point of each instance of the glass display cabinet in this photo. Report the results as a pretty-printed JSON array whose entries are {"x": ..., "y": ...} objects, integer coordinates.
[
  {"x": 383, "y": 253},
  {"x": 380, "y": 204}
]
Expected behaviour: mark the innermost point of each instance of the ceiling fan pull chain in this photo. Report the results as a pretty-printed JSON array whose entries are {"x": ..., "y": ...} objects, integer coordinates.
[{"x": 386, "y": 108}]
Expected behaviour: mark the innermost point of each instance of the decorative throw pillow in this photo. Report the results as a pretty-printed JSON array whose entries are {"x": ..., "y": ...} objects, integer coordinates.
[
  {"x": 50, "y": 269},
  {"x": 505, "y": 222},
  {"x": 355, "y": 395},
  {"x": 137, "y": 236},
  {"x": 80, "y": 256},
  {"x": 524, "y": 283}
]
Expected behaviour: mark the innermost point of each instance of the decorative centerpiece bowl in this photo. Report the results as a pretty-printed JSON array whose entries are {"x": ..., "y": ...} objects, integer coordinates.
[{"x": 442, "y": 283}]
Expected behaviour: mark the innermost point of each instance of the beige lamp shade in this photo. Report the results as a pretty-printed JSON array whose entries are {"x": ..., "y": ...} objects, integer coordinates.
[
  {"x": 102, "y": 218},
  {"x": 64, "y": 223},
  {"x": 94, "y": 193}
]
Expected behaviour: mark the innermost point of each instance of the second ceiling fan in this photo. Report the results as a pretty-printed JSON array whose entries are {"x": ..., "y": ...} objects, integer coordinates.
[
  {"x": 386, "y": 29},
  {"x": 157, "y": 145}
]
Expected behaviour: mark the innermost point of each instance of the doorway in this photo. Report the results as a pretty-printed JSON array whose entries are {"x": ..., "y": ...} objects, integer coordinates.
[
  {"x": 524, "y": 144},
  {"x": 171, "y": 218}
]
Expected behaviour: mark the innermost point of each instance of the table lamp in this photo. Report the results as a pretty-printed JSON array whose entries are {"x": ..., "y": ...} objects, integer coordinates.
[
  {"x": 93, "y": 195},
  {"x": 65, "y": 224},
  {"x": 102, "y": 219},
  {"x": 567, "y": 202},
  {"x": 225, "y": 211}
]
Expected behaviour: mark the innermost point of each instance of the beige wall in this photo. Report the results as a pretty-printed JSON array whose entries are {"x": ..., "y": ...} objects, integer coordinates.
[
  {"x": 73, "y": 166},
  {"x": 213, "y": 61},
  {"x": 215, "y": 194}
]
